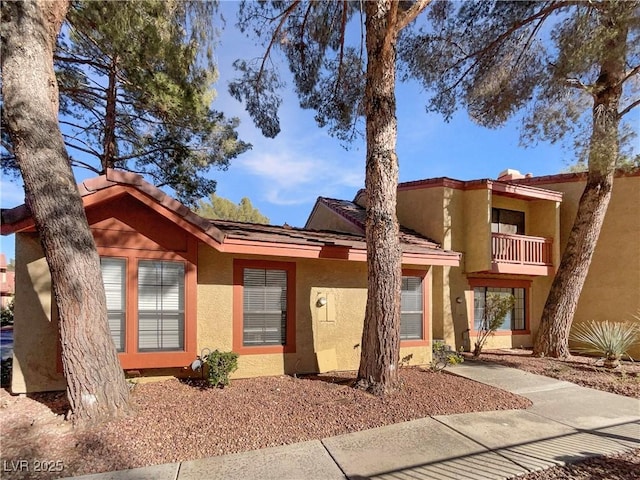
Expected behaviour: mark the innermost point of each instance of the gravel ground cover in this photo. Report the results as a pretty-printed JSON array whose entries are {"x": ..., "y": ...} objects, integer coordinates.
[{"x": 178, "y": 420}]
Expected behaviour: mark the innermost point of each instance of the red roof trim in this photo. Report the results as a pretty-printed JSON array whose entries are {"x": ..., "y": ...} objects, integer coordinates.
[
  {"x": 571, "y": 177},
  {"x": 508, "y": 188}
]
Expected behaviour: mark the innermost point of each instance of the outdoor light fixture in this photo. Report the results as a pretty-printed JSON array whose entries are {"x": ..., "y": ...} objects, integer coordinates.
[{"x": 322, "y": 301}]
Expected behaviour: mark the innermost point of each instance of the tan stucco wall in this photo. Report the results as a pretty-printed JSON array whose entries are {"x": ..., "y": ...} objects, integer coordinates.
[
  {"x": 323, "y": 218},
  {"x": 422, "y": 210},
  {"x": 441, "y": 213},
  {"x": 34, "y": 330},
  {"x": 612, "y": 289},
  {"x": 327, "y": 338},
  {"x": 477, "y": 228},
  {"x": 544, "y": 221}
]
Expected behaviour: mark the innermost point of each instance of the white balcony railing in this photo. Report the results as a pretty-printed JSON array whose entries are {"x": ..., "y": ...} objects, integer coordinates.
[{"x": 521, "y": 249}]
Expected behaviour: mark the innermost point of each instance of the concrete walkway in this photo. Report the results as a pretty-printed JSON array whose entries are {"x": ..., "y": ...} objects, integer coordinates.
[{"x": 566, "y": 423}]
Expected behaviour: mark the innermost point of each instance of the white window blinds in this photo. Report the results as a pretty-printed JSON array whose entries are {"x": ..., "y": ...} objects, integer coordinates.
[
  {"x": 264, "y": 307},
  {"x": 113, "y": 278},
  {"x": 160, "y": 306},
  {"x": 411, "y": 309}
]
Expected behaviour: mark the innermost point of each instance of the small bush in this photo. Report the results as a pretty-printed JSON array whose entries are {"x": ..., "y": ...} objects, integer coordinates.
[
  {"x": 611, "y": 340},
  {"x": 443, "y": 356},
  {"x": 221, "y": 365},
  {"x": 497, "y": 307}
]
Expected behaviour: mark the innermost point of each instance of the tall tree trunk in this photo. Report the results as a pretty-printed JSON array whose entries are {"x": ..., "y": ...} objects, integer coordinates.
[
  {"x": 96, "y": 386},
  {"x": 378, "y": 370},
  {"x": 552, "y": 338}
]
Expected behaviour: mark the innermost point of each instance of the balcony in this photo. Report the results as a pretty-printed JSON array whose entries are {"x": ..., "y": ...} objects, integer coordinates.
[{"x": 521, "y": 254}]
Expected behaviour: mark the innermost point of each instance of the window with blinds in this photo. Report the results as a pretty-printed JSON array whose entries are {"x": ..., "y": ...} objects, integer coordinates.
[
  {"x": 160, "y": 306},
  {"x": 113, "y": 278},
  {"x": 264, "y": 307},
  {"x": 411, "y": 309},
  {"x": 515, "y": 319}
]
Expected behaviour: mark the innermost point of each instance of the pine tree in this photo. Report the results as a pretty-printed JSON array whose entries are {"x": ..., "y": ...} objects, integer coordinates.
[
  {"x": 96, "y": 386},
  {"x": 343, "y": 83},
  {"x": 135, "y": 92}
]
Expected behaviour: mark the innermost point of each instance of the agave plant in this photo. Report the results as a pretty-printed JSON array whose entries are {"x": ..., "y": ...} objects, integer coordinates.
[{"x": 611, "y": 340}]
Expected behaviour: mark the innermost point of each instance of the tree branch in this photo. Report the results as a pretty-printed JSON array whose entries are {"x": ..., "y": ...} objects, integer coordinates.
[
  {"x": 544, "y": 13},
  {"x": 408, "y": 16},
  {"x": 77, "y": 163},
  {"x": 82, "y": 149},
  {"x": 343, "y": 28},
  {"x": 81, "y": 61},
  {"x": 629, "y": 74},
  {"x": 628, "y": 108},
  {"x": 284, "y": 15}
]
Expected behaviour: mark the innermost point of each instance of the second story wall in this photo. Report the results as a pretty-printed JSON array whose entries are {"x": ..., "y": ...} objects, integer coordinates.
[
  {"x": 423, "y": 210},
  {"x": 477, "y": 227},
  {"x": 612, "y": 289}
]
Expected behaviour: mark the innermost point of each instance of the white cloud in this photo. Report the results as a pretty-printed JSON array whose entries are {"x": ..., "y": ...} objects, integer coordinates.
[
  {"x": 282, "y": 169},
  {"x": 293, "y": 174}
]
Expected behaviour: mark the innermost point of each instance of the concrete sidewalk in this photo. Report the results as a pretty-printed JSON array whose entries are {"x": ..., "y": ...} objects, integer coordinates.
[{"x": 566, "y": 423}]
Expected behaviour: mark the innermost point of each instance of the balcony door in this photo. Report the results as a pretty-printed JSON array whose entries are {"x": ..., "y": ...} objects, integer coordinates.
[{"x": 507, "y": 221}]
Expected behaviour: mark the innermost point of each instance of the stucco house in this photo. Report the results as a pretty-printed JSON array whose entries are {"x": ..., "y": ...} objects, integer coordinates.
[
  {"x": 511, "y": 232},
  {"x": 292, "y": 300},
  {"x": 288, "y": 300}
]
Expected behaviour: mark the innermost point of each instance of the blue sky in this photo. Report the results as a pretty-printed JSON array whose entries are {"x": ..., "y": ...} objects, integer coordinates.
[{"x": 284, "y": 176}]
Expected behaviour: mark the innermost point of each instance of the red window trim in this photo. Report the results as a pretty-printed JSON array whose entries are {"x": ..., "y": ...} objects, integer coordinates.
[
  {"x": 238, "y": 317},
  {"x": 502, "y": 283},
  {"x": 426, "y": 307},
  {"x": 131, "y": 358}
]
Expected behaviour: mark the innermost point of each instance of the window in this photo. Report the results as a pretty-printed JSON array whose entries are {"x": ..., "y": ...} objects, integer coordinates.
[
  {"x": 160, "y": 306},
  {"x": 264, "y": 307},
  {"x": 515, "y": 320},
  {"x": 507, "y": 221},
  {"x": 113, "y": 278},
  {"x": 411, "y": 322},
  {"x": 264, "y": 304}
]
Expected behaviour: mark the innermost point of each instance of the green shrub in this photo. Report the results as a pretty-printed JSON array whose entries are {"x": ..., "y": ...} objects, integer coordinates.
[
  {"x": 443, "y": 356},
  {"x": 611, "y": 340},
  {"x": 220, "y": 366},
  {"x": 496, "y": 308}
]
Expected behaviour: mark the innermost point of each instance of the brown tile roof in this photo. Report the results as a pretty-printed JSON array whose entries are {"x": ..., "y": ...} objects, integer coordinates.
[
  {"x": 355, "y": 214},
  {"x": 221, "y": 230},
  {"x": 301, "y": 236}
]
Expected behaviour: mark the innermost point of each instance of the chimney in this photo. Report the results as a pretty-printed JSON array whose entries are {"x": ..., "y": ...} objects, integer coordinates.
[{"x": 509, "y": 174}]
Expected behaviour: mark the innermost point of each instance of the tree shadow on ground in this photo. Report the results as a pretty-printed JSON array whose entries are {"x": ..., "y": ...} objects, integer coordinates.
[{"x": 57, "y": 402}]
